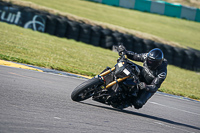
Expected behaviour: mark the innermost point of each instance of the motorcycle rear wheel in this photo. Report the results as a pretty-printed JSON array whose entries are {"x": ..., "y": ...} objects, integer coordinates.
[{"x": 85, "y": 90}]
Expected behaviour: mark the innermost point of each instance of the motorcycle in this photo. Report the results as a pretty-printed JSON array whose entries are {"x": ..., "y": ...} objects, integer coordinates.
[{"x": 117, "y": 86}]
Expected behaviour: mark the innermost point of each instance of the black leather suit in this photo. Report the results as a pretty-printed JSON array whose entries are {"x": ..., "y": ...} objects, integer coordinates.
[{"x": 152, "y": 78}]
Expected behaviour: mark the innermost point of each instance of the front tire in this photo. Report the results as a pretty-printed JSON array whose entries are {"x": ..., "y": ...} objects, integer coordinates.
[{"x": 85, "y": 90}]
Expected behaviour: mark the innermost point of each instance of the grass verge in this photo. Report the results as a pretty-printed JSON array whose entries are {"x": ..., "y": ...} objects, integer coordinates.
[
  {"x": 156, "y": 27},
  {"x": 40, "y": 49}
]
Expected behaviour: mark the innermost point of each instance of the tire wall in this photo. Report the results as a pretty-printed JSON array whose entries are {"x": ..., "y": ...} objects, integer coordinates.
[
  {"x": 94, "y": 35},
  {"x": 22, "y": 16}
]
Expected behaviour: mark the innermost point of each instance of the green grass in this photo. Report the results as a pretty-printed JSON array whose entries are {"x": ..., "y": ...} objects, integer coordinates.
[
  {"x": 27, "y": 46},
  {"x": 40, "y": 49},
  {"x": 184, "y": 32}
]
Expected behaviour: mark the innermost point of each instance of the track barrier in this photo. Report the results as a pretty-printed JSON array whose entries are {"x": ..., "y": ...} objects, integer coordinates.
[
  {"x": 158, "y": 7},
  {"x": 94, "y": 35}
]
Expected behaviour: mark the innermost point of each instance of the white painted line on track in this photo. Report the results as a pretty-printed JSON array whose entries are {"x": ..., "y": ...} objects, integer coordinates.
[
  {"x": 162, "y": 124},
  {"x": 175, "y": 108},
  {"x": 175, "y": 96},
  {"x": 58, "y": 118}
]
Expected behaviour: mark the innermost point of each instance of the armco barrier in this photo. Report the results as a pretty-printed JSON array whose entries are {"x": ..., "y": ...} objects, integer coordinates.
[
  {"x": 130, "y": 4},
  {"x": 100, "y": 1},
  {"x": 94, "y": 35},
  {"x": 111, "y": 2},
  {"x": 143, "y": 5},
  {"x": 173, "y": 10},
  {"x": 188, "y": 13},
  {"x": 158, "y": 7},
  {"x": 197, "y": 18}
]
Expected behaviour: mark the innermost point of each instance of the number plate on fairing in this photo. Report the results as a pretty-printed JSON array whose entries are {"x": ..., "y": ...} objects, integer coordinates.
[
  {"x": 126, "y": 71},
  {"x": 120, "y": 64}
]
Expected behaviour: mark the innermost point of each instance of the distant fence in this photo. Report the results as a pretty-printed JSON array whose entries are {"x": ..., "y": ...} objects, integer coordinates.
[
  {"x": 95, "y": 35},
  {"x": 158, "y": 7}
]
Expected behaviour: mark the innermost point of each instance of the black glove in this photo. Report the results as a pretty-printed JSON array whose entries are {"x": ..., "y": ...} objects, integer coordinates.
[
  {"x": 142, "y": 85},
  {"x": 121, "y": 49}
]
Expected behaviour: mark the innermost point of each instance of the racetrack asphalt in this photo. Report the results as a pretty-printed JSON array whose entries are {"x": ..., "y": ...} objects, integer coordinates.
[{"x": 33, "y": 101}]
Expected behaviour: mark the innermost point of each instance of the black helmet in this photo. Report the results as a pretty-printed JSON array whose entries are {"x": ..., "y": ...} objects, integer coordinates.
[{"x": 154, "y": 58}]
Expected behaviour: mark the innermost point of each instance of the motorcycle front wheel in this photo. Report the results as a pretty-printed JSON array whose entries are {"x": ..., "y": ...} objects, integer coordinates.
[{"x": 85, "y": 90}]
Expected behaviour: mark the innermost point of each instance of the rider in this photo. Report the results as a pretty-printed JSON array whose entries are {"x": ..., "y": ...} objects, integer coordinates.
[{"x": 153, "y": 73}]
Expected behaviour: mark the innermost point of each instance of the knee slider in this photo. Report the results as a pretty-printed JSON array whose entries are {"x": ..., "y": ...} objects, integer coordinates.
[{"x": 138, "y": 104}]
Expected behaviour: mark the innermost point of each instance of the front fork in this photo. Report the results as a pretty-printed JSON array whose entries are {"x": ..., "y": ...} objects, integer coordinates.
[{"x": 114, "y": 82}]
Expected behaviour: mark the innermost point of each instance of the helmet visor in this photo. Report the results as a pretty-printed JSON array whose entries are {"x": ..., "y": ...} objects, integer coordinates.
[{"x": 152, "y": 64}]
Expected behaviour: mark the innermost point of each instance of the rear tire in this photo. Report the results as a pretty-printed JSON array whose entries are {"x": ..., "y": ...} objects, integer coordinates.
[{"x": 85, "y": 90}]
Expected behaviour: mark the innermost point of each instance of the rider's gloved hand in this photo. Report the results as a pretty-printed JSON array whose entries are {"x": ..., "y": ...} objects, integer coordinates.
[
  {"x": 121, "y": 49},
  {"x": 142, "y": 85}
]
